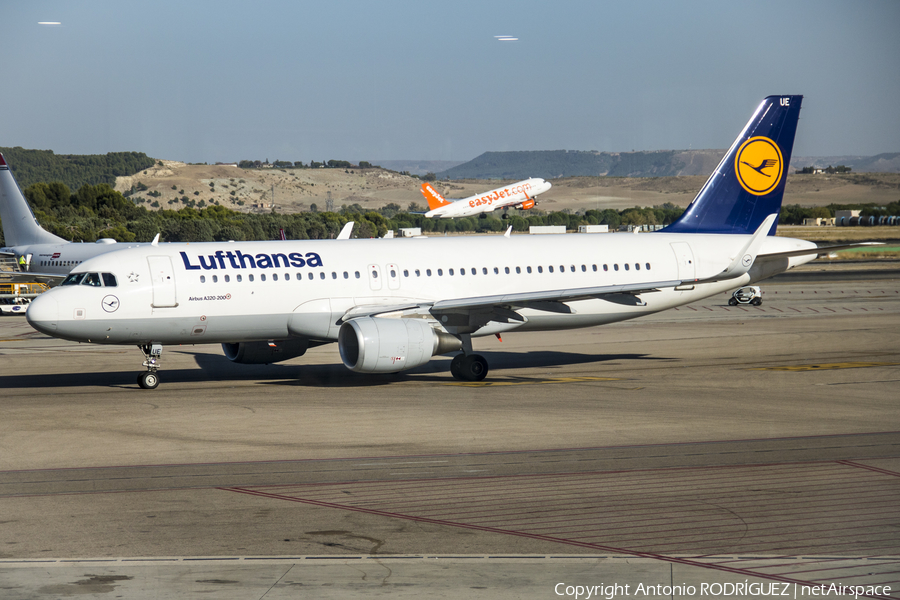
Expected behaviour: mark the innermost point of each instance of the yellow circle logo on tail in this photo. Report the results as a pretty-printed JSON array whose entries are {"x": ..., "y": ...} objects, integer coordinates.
[{"x": 759, "y": 165}]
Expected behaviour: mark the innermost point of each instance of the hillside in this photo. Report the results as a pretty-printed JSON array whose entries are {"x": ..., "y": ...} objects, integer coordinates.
[
  {"x": 74, "y": 170},
  {"x": 418, "y": 167},
  {"x": 296, "y": 190},
  {"x": 551, "y": 164},
  {"x": 172, "y": 184},
  {"x": 880, "y": 163}
]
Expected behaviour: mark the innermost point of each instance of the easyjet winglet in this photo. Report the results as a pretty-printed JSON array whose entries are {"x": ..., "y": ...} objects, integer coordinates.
[{"x": 434, "y": 198}]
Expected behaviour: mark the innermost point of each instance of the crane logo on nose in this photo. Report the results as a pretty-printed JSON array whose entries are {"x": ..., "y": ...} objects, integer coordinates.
[{"x": 110, "y": 303}]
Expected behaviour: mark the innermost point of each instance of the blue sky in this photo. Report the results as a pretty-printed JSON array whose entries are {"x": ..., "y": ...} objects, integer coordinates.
[{"x": 206, "y": 81}]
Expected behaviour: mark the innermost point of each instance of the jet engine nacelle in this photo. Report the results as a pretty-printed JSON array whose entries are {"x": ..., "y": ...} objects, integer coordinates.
[
  {"x": 383, "y": 345},
  {"x": 264, "y": 353}
]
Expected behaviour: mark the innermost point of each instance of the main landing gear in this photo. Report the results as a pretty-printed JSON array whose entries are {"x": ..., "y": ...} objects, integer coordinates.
[
  {"x": 468, "y": 366},
  {"x": 149, "y": 379},
  {"x": 472, "y": 367}
]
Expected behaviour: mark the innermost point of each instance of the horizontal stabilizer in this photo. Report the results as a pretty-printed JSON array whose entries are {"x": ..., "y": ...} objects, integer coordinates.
[{"x": 821, "y": 250}]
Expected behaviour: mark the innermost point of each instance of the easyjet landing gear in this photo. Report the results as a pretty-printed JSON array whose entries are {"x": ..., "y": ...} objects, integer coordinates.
[
  {"x": 149, "y": 379},
  {"x": 468, "y": 366}
]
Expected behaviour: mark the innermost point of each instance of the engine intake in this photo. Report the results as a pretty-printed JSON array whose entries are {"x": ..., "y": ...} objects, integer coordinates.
[
  {"x": 264, "y": 353},
  {"x": 381, "y": 345}
]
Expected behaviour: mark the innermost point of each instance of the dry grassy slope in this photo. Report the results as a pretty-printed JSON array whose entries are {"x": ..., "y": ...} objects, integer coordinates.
[{"x": 296, "y": 189}]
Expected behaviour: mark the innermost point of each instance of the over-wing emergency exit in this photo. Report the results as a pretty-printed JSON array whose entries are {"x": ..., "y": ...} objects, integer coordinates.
[{"x": 517, "y": 195}]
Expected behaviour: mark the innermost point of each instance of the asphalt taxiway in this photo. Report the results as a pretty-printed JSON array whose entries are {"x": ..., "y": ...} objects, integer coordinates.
[{"x": 708, "y": 444}]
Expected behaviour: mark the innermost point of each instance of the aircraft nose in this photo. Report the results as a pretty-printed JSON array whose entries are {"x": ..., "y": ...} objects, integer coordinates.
[{"x": 43, "y": 314}]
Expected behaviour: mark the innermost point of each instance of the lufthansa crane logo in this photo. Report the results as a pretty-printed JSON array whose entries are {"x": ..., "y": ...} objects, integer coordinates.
[
  {"x": 759, "y": 165},
  {"x": 110, "y": 303}
]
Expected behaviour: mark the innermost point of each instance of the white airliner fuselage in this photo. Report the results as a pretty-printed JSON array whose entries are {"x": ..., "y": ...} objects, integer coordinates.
[
  {"x": 518, "y": 195},
  {"x": 234, "y": 292}
]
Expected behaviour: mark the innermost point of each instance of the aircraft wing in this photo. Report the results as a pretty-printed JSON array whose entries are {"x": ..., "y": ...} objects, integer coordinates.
[
  {"x": 546, "y": 300},
  {"x": 550, "y": 300}
]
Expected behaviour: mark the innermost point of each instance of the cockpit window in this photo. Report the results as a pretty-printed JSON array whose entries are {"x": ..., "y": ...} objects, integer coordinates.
[
  {"x": 92, "y": 279},
  {"x": 73, "y": 279}
]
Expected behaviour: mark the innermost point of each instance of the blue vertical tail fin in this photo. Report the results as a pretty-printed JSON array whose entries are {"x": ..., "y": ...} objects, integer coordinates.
[{"x": 748, "y": 185}]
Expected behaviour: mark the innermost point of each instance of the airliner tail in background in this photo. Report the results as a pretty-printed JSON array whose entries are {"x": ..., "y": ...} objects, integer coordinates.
[
  {"x": 20, "y": 228},
  {"x": 44, "y": 257},
  {"x": 433, "y": 197}
]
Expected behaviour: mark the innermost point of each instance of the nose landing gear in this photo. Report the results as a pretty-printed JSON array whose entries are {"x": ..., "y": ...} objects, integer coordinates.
[{"x": 149, "y": 379}]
